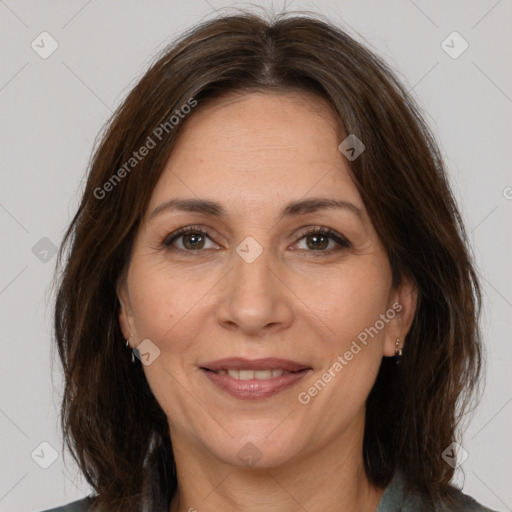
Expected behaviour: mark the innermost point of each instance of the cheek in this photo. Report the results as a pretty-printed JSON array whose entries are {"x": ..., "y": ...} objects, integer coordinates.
[
  {"x": 350, "y": 356},
  {"x": 163, "y": 303},
  {"x": 359, "y": 296},
  {"x": 347, "y": 301}
]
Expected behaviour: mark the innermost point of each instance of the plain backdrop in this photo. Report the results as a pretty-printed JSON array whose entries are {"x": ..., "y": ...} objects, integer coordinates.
[{"x": 52, "y": 108}]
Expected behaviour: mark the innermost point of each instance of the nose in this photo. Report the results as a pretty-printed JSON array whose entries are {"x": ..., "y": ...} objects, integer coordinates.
[{"x": 255, "y": 299}]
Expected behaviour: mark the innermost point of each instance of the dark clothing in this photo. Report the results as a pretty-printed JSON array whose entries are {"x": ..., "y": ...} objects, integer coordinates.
[{"x": 394, "y": 499}]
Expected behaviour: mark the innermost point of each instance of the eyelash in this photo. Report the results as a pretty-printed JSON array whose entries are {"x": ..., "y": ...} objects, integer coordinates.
[{"x": 340, "y": 240}]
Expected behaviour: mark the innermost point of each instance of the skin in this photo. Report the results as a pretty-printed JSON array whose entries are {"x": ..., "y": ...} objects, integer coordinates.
[{"x": 254, "y": 154}]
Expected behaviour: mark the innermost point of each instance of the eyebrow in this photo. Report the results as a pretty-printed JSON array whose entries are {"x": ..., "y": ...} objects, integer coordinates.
[{"x": 294, "y": 208}]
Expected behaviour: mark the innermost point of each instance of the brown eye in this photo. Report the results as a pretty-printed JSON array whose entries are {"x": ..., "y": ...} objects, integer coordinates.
[
  {"x": 317, "y": 242},
  {"x": 322, "y": 240},
  {"x": 193, "y": 241},
  {"x": 189, "y": 239}
]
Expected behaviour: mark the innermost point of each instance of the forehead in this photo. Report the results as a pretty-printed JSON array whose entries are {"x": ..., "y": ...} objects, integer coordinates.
[{"x": 258, "y": 149}]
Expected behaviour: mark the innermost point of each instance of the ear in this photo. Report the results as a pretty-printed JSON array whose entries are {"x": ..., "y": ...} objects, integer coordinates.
[
  {"x": 402, "y": 309},
  {"x": 126, "y": 321}
]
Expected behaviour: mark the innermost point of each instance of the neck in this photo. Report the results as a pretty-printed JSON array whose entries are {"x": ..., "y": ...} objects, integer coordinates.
[{"x": 331, "y": 478}]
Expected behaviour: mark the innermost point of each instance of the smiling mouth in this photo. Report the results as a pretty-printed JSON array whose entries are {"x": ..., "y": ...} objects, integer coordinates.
[
  {"x": 254, "y": 379},
  {"x": 252, "y": 374},
  {"x": 242, "y": 364}
]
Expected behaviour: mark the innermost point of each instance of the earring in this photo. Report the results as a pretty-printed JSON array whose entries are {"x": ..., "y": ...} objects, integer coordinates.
[
  {"x": 398, "y": 351},
  {"x": 127, "y": 345}
]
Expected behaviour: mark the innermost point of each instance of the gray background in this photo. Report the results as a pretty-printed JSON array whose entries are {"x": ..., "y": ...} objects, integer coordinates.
[{"x": 53, "y": 108}]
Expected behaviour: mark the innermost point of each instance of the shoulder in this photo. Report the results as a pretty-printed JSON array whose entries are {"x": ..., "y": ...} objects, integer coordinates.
[
  {"x": 75, "y": 506},
  {"x": 396, "y": 498},
  {"x": 458, "y": 502},
  {"x": 461, "y": 502}
]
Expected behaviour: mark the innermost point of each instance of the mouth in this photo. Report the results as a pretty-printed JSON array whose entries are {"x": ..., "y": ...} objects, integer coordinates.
[
  {"x": 248, "y": 374},
  {"x": 254, "y": 379}
]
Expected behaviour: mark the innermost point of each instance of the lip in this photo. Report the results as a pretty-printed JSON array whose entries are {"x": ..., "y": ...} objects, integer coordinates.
[
  {"x": 241, "y": 363},
  {"x": 254, "y": 389}
]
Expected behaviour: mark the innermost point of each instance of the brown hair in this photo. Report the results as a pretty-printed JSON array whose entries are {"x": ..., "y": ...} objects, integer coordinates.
[{"x": 112, "y": 423}]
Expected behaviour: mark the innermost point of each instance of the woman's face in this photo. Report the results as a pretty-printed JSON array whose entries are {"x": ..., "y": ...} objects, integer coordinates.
[{"x": 264, "y": 337}]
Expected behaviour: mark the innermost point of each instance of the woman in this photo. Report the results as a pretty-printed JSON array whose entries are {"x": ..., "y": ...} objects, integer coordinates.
[{"x": 267, "y": 226}]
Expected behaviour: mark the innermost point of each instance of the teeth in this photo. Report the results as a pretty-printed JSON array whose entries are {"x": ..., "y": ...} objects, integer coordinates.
[{"x": 252, "y": 374}]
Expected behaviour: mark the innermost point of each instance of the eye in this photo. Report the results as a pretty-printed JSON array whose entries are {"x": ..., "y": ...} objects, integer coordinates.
[
  {"x": 322, "y": 239},
  {"x": 195, "y": 239},
  {"x": 189, "y": 239}
]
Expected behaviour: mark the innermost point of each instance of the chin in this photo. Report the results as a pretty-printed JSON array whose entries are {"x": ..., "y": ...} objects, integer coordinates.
[{"x": 258, "y": 451}]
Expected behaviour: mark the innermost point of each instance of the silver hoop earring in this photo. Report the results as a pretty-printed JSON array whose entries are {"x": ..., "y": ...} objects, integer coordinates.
[
  {"x": 132, "y": 350},
  {"x": 398, "y": 351}
]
